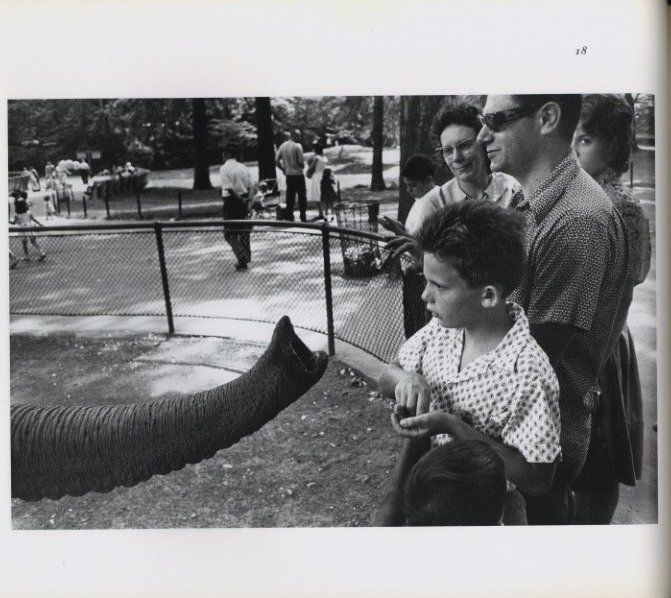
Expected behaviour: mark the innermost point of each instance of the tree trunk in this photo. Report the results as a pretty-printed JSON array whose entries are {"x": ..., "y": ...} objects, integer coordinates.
[
  {"x": 377, "y": 180},
  {"x": 264, "y": 132},
  {"x": 417, "y": 112},
  {"x": 201, "y": 169}
]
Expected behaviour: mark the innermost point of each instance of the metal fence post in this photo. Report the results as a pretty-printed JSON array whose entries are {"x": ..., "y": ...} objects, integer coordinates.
[
  {"x": 107, "y": 192},
  {"x": 67, "y": 200},
  {"x": 164, "y": 275},
  {"x": 179, "y": 203},
  {"x": 139, "y": 206},
  {"x": 326, "y": 250},
  {"x": 84, "y": 204}
]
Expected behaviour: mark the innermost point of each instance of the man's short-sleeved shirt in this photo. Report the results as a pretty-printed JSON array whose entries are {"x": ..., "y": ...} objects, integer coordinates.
[
  {"x": 509, "y": 394},
  {"x": 234, "y": 175},
  {"x": 576, "y": 273},
  {"x": 290, "y": 154},
  {"x": 501, "y": 189}
]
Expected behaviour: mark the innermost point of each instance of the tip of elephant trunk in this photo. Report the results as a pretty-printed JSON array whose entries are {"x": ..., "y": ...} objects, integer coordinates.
[{"x": 313, "y": 362}]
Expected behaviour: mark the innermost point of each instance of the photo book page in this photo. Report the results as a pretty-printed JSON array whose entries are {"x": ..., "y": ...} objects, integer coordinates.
[{"x": 130, "y": 130}]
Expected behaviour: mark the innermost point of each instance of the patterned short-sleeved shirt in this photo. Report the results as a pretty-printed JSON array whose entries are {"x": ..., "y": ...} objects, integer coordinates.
[
  {"x": 576, "y": 275},
  {"x": 509, "y": 394},
  {"x": 638, "y": 228}
]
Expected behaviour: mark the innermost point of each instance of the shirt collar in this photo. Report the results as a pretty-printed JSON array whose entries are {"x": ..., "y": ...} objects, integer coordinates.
[
  {"x": 493, "y": 191},
  {"x": 504, "y": 355},
  {"x": 552, "y": 188}
]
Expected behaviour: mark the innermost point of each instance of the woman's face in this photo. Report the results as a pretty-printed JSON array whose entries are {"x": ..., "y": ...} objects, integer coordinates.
[
  {"x": 464, "y": 156},
  {"x": 593, "y": 152}
]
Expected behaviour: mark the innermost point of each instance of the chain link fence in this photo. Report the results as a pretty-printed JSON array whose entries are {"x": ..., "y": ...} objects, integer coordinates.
[{"x": 186, "y": 269}]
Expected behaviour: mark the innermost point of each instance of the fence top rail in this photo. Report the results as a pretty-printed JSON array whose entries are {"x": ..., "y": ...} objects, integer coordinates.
[{"x": 151, "y": 226}]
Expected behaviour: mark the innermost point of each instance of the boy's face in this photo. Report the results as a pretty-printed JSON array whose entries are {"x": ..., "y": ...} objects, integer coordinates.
[
  {"x": 418, "y": 188},
  {"x": 447, "y": 295}
]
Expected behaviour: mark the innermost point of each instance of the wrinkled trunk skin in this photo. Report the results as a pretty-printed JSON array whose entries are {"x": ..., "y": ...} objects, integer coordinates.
[{"x": 74, "y": 450}]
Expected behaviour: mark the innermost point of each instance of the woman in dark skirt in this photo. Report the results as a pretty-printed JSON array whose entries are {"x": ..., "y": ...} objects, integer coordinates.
[{"x": 603, "y": 144}]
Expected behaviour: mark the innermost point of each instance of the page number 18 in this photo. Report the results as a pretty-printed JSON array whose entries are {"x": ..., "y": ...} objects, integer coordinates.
[{"x": 581, "y": 51}]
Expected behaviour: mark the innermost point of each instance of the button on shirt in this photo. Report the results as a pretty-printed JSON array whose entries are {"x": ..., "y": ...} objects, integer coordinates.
[
  {"x": 576, "y": 275},
  {"x": 234, "y": 175},
  {"x": 509, "y": 394}
]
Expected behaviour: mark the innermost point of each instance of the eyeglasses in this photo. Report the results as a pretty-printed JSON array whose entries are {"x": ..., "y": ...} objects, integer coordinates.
[
  {"x": 465, "y": 148},
  {"x": 494, "y": 121}
]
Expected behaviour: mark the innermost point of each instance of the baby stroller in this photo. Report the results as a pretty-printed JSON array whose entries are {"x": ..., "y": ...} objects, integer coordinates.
[{"x": 266, "y": 200}]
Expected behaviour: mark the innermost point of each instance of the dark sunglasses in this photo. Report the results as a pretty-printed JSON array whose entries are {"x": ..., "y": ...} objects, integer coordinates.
[{"x": 494, "y": 121}]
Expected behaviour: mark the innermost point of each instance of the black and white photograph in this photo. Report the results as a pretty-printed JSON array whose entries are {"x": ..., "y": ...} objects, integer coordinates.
[
  {"x": 308, "y": 309},
  {"x": 156, "y": 260}
]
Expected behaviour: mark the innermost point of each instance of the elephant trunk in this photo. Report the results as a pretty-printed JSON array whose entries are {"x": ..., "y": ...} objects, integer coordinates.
[{"x": 74, "y": 450}]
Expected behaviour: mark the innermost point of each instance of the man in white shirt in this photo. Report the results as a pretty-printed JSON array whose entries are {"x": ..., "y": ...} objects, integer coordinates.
[
  {"x": 289, "y": 160},
  {"x": 235, "y": 192}
]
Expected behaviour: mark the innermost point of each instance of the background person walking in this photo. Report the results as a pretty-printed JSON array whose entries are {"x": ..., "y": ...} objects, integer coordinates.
[{"x": 235, "y": 192}]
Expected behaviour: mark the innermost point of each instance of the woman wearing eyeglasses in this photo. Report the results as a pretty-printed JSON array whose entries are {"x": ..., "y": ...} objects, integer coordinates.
[{"x": 602, "y": 142}]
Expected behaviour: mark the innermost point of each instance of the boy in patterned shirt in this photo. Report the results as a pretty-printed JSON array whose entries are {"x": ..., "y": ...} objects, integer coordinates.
[{"x": 474, "y": 372}]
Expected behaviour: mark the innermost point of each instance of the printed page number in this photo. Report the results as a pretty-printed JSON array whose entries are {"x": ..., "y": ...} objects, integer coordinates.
[{"x": 581, "y": 51}]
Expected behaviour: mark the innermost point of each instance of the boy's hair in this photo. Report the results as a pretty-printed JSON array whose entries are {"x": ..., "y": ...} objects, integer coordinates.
[
  {"x": 569, "y": 104},
  {"x": 455, "y": 112},
  {"x": 418, "y": 168},
  {"x": 481, "y": 240},
  {"x": 610, "y": 118},
  {"x": 462, "y": 482}
]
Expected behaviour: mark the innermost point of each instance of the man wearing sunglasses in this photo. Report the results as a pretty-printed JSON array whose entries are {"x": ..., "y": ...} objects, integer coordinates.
[{"x": 573, "y": 288}]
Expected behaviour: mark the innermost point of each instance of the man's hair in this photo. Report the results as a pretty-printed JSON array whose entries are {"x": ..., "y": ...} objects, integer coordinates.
[
  {"x": 418, "y": 168},
  {"x": 462, "y": 482},
  {"x": 481, "y": 240},
  {"x": 455, "y": 112},
  {"x": 609, "y": 118},
  {"x": 568, "y": 103}
]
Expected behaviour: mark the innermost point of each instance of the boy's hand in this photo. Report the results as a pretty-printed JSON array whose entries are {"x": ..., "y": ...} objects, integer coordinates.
[
  {"x": 413, "y": 393},
  {"x": 420, "y": 426}
]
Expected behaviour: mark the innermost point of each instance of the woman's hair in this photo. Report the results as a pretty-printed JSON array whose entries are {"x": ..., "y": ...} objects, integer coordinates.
[
  {"x": 462, "y": 482},
  {"x": 318, "y": 149},
  {"x": 609, "y": 118},
  {"x": 482, "y": 241},
  {"x": 455, "y": 112}
]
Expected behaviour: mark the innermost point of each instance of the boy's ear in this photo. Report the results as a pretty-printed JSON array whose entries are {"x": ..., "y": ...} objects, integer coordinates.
[{"x": 490, "y": 296}]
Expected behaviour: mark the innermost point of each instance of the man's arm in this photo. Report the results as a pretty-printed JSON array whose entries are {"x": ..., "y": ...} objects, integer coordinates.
[
  {"x": 553, "y": 339},
  {"x": 390, "y": 513},
  {"x": 278, "y": 159}
]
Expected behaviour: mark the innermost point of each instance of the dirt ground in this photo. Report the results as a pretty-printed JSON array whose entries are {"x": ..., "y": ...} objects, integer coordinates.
[{"x": 324, "y": 461}]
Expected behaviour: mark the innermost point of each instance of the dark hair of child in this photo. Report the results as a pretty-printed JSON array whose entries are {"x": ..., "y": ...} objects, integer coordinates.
[
  {"x": 462, "y": 482},
  {"x": 482, "y": 241},
  {"x": 418, "y": 168}
]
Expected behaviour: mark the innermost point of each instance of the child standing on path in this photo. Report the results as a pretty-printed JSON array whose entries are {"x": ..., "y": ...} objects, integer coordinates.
[
  {"x": 474, "y": 372},
  {"x": 25, "y": 218}
]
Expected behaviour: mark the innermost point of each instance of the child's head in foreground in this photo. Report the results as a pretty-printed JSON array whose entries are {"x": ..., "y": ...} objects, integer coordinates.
[
  {"x": 462, "y": 482},
  {"x": 474, "y": 256}
]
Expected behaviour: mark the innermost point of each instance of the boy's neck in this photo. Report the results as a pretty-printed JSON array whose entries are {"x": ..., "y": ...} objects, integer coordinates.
[{"x": 488, "y": 333}]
